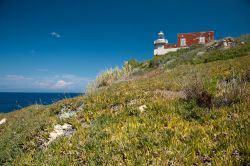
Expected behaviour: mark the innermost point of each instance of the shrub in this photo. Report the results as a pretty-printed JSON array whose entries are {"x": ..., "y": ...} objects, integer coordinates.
[
  {"x": 231, "y": 91},
  {"x": 197, "y": 93},
  {"x": 228, "y": 91},
  {"x": 155, "y": 62}
]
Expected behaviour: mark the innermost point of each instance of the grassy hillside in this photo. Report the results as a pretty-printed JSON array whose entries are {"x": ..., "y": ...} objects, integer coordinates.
[{"x": 190, "y": 107}]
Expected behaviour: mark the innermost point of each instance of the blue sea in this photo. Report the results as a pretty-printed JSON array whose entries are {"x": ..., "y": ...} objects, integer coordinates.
[{"x": 10, "y": 101}]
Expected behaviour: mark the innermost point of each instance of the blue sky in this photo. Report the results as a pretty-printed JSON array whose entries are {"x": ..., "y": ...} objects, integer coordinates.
[{"x": 61, "y": 45}]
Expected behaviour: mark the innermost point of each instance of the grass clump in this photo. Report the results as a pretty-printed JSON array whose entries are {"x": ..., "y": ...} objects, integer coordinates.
[
  {"x": 111, "y": 75},
  {"x": 231, "y": 91}
]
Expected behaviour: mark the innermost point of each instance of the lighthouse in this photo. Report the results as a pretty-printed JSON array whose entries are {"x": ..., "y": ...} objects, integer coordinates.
[{"x": 159, "y": 44}]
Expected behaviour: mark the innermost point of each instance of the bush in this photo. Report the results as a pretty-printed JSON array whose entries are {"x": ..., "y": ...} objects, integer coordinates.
[
  {"x": 228, "y": 91},
  {"x": 155, "y": 62},
  {"x": 197, "y": 93},
  {"x": 231, "y": 91}
]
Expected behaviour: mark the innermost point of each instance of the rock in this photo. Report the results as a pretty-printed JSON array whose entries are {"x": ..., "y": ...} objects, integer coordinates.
[
  {"x": 142, "y": 108},
  {"x": 115, "y": 107},
  {"x": 59, "y": 131},
  {"x": 132, "y": 102},
  {"x": 65, "y": 113},
  {"x": 228, "y": 42},
  {"x": 171, "y": 163},
  {"x": 206, "y": 160},
  {"x": 3, "y": 121},
  {"x": 225, "y": 43},
  {"x": 236, "y": 153}
]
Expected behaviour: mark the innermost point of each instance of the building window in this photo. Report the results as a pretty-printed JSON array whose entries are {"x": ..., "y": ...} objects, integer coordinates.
[
  {"x": 202, "y": 40},
  {"x": 183, "y": 42}
]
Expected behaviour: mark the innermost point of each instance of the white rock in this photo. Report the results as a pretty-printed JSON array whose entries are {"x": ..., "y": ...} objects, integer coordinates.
[
  {"x": 132, "y": 102},
  {"x": 59, "y": 131},
  {"x": 64, "y": 113},
  {"x": 3, "y": 121},
  {"x": 142, "y": 108}
]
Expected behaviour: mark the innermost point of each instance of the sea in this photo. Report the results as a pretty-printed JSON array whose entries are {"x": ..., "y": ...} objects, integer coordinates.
[{"x": 12, "y": 101}]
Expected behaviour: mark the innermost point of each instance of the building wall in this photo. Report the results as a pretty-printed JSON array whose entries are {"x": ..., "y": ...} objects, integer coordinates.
[
  {"x": 162, "y": 50},
  {"x": 193, "y": 38}
]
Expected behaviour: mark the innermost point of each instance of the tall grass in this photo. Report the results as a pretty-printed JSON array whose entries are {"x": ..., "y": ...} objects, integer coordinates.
[{"x": 109, "y": 76}]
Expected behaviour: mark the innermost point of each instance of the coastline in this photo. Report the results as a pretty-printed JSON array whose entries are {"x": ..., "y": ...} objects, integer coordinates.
[{"x": 13, "y": 101}]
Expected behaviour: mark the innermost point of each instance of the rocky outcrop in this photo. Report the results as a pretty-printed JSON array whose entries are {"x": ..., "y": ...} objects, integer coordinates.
[
  {"x": 226, "y": 43},
  {"x": 59, "y": 131},
  {"x": 66, "y": 113},
  {"x": 65, "y": 130}
]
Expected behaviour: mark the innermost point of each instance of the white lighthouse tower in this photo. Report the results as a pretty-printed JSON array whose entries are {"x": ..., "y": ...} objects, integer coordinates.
[{"x": 159, "y": 44}]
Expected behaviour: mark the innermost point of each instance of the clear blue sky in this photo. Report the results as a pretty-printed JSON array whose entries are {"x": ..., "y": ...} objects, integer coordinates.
[{"x": 60, "y": 45}]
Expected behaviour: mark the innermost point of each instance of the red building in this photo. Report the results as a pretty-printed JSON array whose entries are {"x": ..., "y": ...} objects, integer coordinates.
[{"x": 189, "y": 39}]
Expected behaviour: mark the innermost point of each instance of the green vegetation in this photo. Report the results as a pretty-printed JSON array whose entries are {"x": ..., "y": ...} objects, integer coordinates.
[{"x": 209, "y": 124}]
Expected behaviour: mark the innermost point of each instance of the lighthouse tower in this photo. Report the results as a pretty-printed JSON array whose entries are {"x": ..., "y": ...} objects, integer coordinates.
[{"x": 159, "y": 44}]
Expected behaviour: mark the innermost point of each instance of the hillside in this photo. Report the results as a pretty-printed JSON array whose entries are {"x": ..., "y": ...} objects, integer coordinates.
[{"x": 189, "y": 107}]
